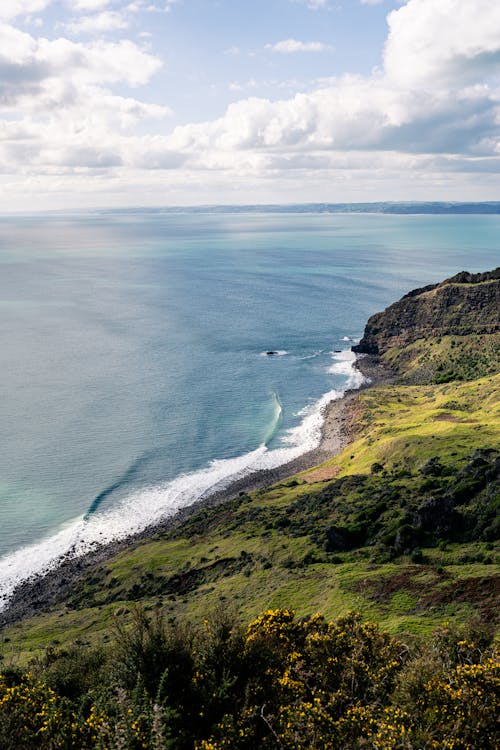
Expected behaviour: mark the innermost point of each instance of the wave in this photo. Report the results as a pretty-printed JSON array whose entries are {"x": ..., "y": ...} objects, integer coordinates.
[
  {"x": 344, "y": 365},
  {"x": 278, "y": 413},
  {"x": 352, "y": 339},
  {"x": 150, "y": 505},
  {"x": 123, "y": 480},
  {"x": 313, "y": 355}
]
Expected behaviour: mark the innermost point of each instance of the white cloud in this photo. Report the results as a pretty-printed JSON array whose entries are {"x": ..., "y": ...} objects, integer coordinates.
[
  {"x": 250, "y": 84},
  {"x": 147, "y": 6},
  {"x": 11, "y": 8},
  {"x": 288, "y": 46},
  {"x": 89, "y": 4},
  {"x": 25, "y": 60},
  {"x": 355, "y": 114},
  {"x": 61, "y": 113},
  {"x": 313, "y": 4},
  {"x": 443, "y": 42},
  {"x": 98, "y": 23}
]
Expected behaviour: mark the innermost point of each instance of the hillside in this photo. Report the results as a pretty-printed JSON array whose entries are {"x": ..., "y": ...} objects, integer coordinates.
[
  {"x": 441, "y": 332},
  {"x": 401, "y": 526}
]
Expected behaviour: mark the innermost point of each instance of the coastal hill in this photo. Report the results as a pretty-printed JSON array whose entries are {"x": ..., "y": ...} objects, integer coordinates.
[
  {"x": 401, "y": 525},
  {"x": 416, "y": 485},
  {"x": 440, "y": 332}
]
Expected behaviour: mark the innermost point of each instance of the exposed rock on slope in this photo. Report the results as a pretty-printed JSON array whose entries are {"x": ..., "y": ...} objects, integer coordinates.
[
  {"x": 463, "y": 305},
  {"x": 439, "y": 333}
]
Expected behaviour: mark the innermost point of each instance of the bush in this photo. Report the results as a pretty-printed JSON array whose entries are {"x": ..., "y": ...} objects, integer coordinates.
[{"x": 280, "y": 682}]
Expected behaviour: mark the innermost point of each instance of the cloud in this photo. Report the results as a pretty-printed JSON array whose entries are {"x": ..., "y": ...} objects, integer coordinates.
[
  {"x": 146, "y": 6},
  {"x": 288, "y": 46},
  {"x": 355, "y": 114},
  {"x": 98, "y": 23},
  {"x": 26, "y": 59},
  {"x": 445, "y": 42},
  {"x": 313, "y": 4},
  {"x": 59, "y": 107},
  {"x": 57, "y": 112},
  {"x": 12, "y": 8},
  {"x": 89, "y": 4}
]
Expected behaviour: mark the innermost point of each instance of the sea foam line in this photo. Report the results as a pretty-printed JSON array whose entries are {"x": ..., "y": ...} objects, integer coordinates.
[
  {"x": 344, "y": 365},
  {"x": 151, "y": 505}
]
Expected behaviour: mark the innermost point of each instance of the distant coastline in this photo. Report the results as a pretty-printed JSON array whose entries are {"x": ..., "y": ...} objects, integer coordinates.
[
  {"x": 395, "y": 208},
  {"x": 403, "y": 208}
]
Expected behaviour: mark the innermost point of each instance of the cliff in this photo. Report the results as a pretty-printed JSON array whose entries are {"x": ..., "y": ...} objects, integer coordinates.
[{"x": 441, "y": 332}]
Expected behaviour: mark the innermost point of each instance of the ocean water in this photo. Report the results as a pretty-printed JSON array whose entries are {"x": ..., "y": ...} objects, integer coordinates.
[{"x": 134, "y": 375}]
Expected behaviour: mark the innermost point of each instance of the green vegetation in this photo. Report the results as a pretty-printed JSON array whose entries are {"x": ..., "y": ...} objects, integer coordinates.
[
  {"x": 403, "y": 427},
  {"x": 445, "y": 358},
  {"x": 440, "y": 333},
  {"x": 279, "y": 682},
  {"x": 402, "y": 526}
]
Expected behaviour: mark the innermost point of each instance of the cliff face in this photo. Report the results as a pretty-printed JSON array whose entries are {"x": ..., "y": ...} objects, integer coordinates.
[{"x": 460, "y": 306}]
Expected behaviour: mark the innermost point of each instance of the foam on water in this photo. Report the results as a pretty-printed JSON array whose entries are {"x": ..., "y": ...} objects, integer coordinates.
[
  {"x": 344, "y": 365},
  {"x": 154, "y": 504},
  {"x": 313, "y": 355}
]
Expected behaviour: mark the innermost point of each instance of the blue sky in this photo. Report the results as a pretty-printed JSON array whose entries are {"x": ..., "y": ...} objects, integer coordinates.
[{"x": 151, "y": 102}]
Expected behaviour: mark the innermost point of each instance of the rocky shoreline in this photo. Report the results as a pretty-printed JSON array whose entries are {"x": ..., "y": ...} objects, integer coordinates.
[{"x": 36, "y": 594}]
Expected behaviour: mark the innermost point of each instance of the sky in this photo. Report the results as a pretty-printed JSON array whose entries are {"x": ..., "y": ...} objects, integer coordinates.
[{"x": 108, "y": 103}]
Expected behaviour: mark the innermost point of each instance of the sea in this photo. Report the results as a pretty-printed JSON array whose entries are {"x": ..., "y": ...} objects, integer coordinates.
[{"x": 134, "y": 374}]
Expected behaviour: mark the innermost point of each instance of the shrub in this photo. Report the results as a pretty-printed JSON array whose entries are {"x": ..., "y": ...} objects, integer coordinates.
[{"x": 281, "y": 682}]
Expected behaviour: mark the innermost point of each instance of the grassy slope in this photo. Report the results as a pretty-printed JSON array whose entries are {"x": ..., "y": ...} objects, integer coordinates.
[
  {"x": 269, "y": 549},
  {"x": 445, "y": 358},
  {"x": 404, "y": 426}
]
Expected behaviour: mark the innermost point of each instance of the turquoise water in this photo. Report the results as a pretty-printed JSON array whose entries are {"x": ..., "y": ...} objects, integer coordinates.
[{"x": 132, "y": 351}]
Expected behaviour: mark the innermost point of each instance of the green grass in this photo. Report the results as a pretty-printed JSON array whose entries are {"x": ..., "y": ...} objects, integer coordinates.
[
  {"x": 332, "y": 589},
  {"x": 404, "y": 426},
  {"x": 445, "y": 358}
]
